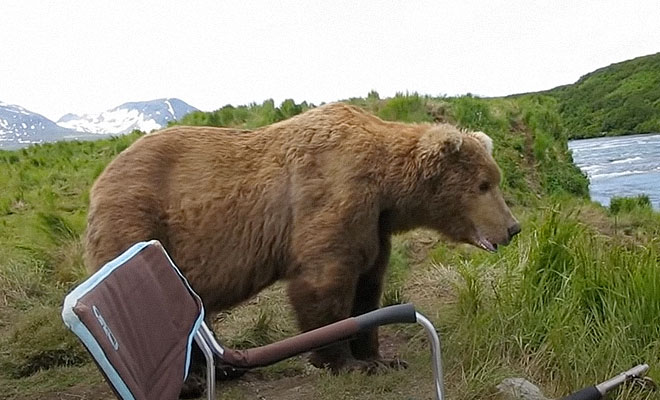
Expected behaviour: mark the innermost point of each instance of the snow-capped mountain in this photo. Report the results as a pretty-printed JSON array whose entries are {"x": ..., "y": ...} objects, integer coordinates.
[
  {"x": 20, "y": 127},
  {"x": 143, "y": 115}
]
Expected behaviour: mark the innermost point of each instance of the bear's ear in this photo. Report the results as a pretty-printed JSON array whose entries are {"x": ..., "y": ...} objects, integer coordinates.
[
  {"x": 433, "y": 146},
  {"x": 436, "y": 142},
  {"x": 485, "y": 141}
]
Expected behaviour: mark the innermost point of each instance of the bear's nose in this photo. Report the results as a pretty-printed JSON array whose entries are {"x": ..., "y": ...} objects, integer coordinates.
[{"x": 514, "y": 230}]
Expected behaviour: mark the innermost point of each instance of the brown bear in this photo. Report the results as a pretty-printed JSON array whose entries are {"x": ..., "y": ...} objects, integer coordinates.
[{"x": 313, "y": 200}]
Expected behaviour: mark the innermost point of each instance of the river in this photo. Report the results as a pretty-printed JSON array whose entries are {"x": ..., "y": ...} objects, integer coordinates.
[{"x": 620, "y": 166}]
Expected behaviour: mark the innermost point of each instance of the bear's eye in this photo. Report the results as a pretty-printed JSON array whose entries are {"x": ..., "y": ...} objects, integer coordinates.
[{"x": 484, "y": 187}]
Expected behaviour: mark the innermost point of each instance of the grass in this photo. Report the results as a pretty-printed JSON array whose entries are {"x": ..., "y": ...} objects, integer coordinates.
[
  {"x": 396, "y": 277},
  {"x": 574, "y": 299},
  {"x": 565, "y": 306}
]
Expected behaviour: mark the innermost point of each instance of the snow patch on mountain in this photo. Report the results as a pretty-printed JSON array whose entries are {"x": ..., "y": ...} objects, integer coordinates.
[
  {"x": 117, "y": 121},
  {"x": 145, "y": 116}
]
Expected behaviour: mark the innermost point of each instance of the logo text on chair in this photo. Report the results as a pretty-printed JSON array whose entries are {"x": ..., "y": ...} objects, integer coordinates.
[{"x": 106, "y": 328}]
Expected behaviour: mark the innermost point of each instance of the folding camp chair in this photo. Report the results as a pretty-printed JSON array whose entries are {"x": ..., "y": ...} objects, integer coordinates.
[{"x": 138, "y": 316}]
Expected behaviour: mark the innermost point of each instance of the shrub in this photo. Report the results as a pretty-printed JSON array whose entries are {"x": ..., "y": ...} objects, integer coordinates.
[
  {"x": 629, "y": 204},
  {"x": 405, "y": 108}
]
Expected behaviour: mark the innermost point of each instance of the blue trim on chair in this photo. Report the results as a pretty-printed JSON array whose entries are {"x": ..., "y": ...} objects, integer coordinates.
[{"x": 191, "y": 337}]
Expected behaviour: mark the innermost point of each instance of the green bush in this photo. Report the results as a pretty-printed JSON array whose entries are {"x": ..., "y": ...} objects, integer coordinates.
[
  {"x": 629, "y": 204},
  {"x": 405, "y": 108},
  {"x": 472, "y": 113}
]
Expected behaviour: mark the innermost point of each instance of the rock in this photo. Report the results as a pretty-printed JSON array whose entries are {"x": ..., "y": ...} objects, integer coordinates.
[{"x": 519, "y": 389}]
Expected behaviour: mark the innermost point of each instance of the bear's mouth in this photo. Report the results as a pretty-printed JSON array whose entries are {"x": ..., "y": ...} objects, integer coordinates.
[{"x": 485, "y": 244}]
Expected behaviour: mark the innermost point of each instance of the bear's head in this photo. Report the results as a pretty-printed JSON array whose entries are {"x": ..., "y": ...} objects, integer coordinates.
[{"x": 460, "y": 188}]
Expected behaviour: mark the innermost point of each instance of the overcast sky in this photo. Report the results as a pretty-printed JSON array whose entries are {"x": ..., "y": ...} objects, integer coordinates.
[{"x": 89, "y": 56}]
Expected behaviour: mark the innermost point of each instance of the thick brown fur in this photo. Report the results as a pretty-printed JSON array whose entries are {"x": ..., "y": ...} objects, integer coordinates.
[{"x": 312, "y": 200}]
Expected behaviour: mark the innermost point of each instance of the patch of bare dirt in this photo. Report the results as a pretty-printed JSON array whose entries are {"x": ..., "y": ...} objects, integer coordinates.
[{"x": 287, "y": 387}]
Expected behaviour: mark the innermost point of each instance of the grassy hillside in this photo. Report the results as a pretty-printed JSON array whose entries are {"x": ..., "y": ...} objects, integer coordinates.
[
  {"x": 618, "y": 99},
  {"x": 574, "y": 299}
]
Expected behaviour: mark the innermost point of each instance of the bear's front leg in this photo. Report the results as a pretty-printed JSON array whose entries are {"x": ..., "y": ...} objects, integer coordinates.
[
  {"x": 367, "y": 298},
  {"x": 320, "y": 299},
  {"x": 334, "y": 249},
  {"x": 323, "y": 294}
]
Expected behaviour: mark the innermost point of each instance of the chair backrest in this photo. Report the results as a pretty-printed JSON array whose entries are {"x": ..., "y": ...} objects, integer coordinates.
[{"x": 137, "y": 316}]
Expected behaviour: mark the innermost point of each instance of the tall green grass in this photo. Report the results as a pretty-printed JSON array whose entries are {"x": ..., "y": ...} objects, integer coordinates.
[
  {"x": 396, "y": 276},
  {"x": 565, "y": 305}
]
